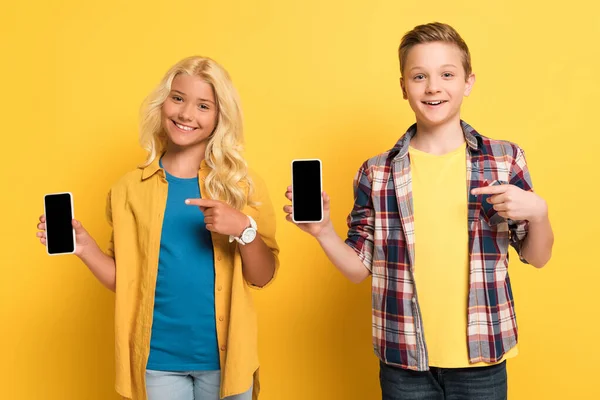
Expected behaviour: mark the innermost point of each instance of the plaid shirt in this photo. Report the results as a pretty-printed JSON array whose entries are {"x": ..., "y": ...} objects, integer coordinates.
[{"x": 381, "y": 231}]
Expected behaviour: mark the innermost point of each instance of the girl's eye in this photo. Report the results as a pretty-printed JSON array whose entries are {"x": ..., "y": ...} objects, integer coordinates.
[{"x": 177, "y": 98}]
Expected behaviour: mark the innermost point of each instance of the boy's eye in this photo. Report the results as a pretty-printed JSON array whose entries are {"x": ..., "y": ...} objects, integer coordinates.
[
  {"x": 419, "y": 77},
  {"x": 447, "y": 75}
]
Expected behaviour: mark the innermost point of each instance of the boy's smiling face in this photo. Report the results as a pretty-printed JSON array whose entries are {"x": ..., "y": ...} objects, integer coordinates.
[{"x": 434, "y": 83}]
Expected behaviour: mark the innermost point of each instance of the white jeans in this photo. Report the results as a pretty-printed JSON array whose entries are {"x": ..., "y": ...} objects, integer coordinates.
[{"x": 188, "y": 385}]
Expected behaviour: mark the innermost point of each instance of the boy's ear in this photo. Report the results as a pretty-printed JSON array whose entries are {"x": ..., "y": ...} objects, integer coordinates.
[
  {"x": 470, "y": 83},
  {"x": 404, "y": 96}
]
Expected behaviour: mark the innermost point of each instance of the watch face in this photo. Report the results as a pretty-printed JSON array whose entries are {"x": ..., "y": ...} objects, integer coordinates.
[{"x": 249, "y": 235}]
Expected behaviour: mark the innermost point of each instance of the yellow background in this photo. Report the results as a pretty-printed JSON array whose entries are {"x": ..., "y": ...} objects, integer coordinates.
[{"x": 317, "y": 79}]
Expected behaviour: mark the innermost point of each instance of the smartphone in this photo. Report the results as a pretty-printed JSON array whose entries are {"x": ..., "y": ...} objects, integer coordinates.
[
  {"x": 60, "y": 235},
  {"x": 307, "y": 189}
]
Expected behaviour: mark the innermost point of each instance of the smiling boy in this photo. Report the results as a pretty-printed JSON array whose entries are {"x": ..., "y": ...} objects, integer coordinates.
[{"x": 432, "y": 221}]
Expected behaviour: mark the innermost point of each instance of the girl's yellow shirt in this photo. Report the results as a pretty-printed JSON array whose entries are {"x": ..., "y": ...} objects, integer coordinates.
[{"x": 135, "y": 209}]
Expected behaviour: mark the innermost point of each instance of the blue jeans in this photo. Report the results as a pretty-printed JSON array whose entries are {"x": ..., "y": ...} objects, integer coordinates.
[
  {"x": 476, "y": 383},
  {"x": 189, "y": 385}
]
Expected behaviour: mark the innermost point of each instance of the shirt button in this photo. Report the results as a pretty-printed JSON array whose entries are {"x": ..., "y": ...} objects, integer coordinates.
[
  {"x": 221, "y": 318},
  {"x": 223, "y": 348},
  {"x": 220, "y": 288},
  {"x": 418, "y": 330},
  {"x": 414, "y": 300},
  {"x": 219, "y": 258}
]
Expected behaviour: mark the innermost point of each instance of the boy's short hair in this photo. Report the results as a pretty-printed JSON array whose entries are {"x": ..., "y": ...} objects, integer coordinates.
[{"x": 433, "y": 32}]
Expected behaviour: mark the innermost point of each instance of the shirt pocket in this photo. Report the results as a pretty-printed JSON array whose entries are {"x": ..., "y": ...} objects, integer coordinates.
[{"x": 488, "y": 213}]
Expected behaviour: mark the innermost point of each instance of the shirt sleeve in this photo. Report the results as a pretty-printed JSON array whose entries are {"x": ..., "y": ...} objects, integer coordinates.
[
  {"x": 519, "y": 176},
  {"x": 111, "y": 242},
  {"x": 265, "y": 222},
  {"x": 361, "y": 220}
]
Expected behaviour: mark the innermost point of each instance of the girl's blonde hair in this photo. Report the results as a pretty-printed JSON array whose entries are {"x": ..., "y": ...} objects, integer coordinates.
[{"x": 223, "y": 151}]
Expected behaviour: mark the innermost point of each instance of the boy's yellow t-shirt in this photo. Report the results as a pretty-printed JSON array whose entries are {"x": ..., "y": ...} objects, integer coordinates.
[{"x": 440, "y": 200}]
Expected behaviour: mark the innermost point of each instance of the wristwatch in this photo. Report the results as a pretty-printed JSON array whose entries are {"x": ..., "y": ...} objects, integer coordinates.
[{"x": 248, "y": 235}]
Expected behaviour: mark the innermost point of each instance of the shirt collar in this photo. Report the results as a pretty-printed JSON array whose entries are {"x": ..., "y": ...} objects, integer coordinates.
[
  {"x": 154, "y": 167},
  {"x": 400, "y": 150}
]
